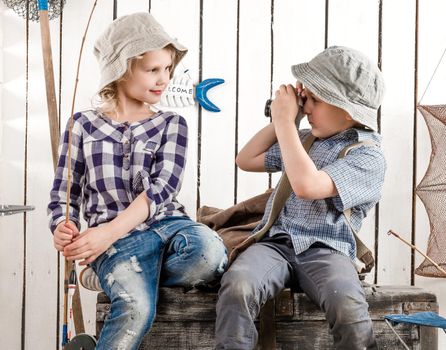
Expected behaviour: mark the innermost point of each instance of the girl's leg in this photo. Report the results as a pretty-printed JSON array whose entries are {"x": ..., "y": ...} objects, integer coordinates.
[
  {"x": 129, "y": 274},
  {"x": 195, "y": 255}
]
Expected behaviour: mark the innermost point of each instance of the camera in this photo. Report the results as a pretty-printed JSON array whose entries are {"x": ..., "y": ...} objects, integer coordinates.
[{"x": 301, "y": 101}]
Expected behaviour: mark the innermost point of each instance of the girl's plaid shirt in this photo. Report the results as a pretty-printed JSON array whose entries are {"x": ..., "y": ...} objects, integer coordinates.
[{"x": 112, "y": 163}]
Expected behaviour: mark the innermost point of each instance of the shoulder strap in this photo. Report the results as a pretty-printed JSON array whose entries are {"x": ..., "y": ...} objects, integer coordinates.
[
  {"x": 280, "y": 196},
  {"x": 362, "y": 252}
]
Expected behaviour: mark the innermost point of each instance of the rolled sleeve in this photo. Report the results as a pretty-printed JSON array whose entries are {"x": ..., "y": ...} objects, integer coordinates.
[
  {"x": 58, "y": 194},
  {"x": 273, "y": 156},
  {"x": 358, "y": 177},
  {"x": 273, "y": 159},
  {"x": 164, "y": 181}
]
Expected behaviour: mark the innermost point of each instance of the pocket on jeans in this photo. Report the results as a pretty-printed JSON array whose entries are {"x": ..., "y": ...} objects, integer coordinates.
[{"x": 337, "y": 252}]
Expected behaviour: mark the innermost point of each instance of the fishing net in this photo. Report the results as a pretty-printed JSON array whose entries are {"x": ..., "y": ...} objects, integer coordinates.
[
  {"x": 432, "y": 191},
  {"x": 19, "y": 6}
]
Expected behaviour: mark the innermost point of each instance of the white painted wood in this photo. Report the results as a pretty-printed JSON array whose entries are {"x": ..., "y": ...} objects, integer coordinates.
[
  {"x": 218, "y": 129},
  {"x": 432, "y": 43},
  {"x": 41, "y": 257},
  {"x": 254, "y": 78},
  {"x": 397, "y": 130},
  {"x": 360, "y": 32},
  {"x": 12, "y": 138},
  {"x": 126, "y": 7},
  {"x": 186, "y": 30}
]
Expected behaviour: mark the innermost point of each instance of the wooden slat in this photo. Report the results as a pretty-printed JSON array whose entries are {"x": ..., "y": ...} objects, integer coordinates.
[
  {"x": 431, "y": 45},
  {"x": 364, "y": 17},
  {"x": 41, "y": 255},
  {"x": 219, "y": 61},
  {"x": 306, "y": 336},
  {"x": 174, "y": 305},
  {"x": 12, "y": 141},
  {"x": 397, "y": 126},
  {"x": 186, "y": 31},
  {"x": 254, "y": 84}
]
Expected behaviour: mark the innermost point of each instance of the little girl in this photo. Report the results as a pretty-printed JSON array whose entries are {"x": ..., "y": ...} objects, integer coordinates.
[{"x": 128, "y": 164}]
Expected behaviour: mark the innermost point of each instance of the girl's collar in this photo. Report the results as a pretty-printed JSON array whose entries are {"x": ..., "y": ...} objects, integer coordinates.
[{"x": 119, "y": 123}]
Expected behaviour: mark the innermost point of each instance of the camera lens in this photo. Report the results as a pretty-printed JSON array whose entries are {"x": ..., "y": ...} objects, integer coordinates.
[{"x": 268, "y": 108}]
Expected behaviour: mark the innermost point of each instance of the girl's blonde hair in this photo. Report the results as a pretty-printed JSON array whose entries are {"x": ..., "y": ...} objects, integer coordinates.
[{"x": 108, "y": 96}]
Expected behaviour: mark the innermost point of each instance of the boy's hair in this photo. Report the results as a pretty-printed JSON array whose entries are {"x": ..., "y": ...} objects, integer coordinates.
[{"x": 108, "y": 95}]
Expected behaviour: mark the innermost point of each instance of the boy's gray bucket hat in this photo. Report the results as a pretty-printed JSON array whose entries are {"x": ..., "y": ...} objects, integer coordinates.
[
  {"x": 127, "y": 37},
  {"x": 347, "y": 79}
]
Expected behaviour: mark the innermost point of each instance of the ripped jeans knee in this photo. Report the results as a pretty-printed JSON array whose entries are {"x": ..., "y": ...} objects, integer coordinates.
[
  {"x": 196, "y": 256},
  {"x": 130, "y": 278}
]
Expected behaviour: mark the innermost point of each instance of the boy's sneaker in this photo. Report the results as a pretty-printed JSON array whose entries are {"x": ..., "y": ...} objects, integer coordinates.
[{"x": 89, "y": 280}]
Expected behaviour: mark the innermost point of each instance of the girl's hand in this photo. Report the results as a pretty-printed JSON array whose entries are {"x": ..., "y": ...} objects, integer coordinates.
[
  {"x": 89, "y": 245},
  {"x": 285, "y": 106},
  {"x": 64, "y": 234}
]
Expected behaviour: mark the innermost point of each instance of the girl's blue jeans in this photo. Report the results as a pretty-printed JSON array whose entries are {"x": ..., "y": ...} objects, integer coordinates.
[{"x": 173, "y": 252}]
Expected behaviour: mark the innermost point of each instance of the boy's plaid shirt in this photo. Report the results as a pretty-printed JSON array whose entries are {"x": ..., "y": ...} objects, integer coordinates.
[
  {"x": 358, "y": 178},
  {"x": 112, "y": 163}
]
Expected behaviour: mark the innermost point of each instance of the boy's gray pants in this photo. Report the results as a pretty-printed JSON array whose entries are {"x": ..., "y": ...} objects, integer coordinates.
[{"x": 328, "y": 277}]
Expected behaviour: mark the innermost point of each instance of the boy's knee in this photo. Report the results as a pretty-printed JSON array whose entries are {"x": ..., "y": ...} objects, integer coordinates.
[
  {"x": 238, "y": 286},
  {"x": 345, "y": 307}
]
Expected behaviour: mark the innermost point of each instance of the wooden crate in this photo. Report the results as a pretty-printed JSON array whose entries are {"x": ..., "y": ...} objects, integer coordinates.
[{"x": 186, "y": 320}]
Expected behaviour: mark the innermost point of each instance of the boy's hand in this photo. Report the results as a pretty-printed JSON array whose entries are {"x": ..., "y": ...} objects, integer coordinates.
[
  {"x": 64, "y": 234},
  {"x": 285, "y": 106},
  {"x": 89, "y": 245}
]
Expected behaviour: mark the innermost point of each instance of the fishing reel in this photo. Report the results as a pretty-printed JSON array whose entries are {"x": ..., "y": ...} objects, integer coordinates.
[{"x": 81, "y": 342}]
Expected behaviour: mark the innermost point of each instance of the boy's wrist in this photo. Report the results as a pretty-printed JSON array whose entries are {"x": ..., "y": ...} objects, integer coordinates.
[{"x": 284, "y": 125}]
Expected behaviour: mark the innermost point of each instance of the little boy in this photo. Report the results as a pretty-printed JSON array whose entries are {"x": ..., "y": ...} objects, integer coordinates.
[{"x": 310, "y": 246}]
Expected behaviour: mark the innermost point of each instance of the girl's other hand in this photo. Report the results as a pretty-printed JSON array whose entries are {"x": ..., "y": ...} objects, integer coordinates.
[{"x": 89, "y": 245}]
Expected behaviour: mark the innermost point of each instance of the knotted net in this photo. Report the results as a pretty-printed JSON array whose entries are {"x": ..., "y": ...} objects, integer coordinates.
[{"x": 432, "y": 190}]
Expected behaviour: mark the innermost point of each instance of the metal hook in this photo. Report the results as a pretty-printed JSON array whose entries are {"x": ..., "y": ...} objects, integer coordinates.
[{"x": 14, "y": 209}]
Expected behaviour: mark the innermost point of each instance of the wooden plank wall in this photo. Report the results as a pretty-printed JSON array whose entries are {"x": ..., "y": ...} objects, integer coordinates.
[{"x": 251, "y": 44}]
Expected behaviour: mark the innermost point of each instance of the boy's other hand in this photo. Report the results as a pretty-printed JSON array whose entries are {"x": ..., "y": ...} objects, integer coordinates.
[
  {"x": 285, "y": 106},
  {"x": 64, "y": 234}
]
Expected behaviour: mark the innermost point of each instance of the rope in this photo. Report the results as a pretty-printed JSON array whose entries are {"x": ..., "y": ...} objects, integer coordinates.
[{"x": 432, "y": 77}]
